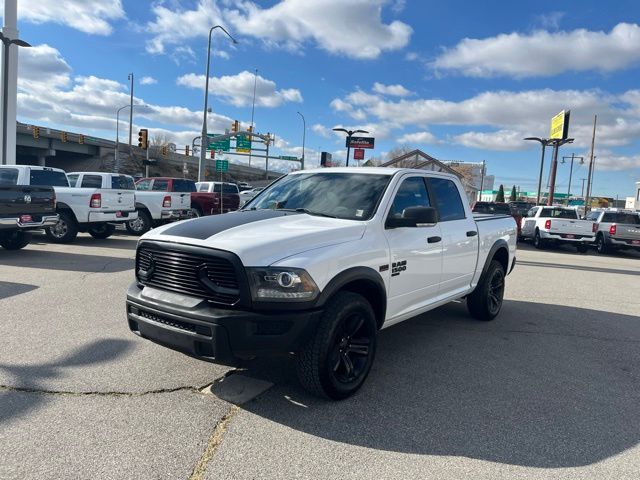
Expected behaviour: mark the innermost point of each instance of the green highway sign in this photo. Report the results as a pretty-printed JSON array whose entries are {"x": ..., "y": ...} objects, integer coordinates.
[
  {"x": 288, "y": 157},
  {"x": 243, "y": 144},
  {"x": 224, "y": 145},
  {"x": 222, "y": 165}
]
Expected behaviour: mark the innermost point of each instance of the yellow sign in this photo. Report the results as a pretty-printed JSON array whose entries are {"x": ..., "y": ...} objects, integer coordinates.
[{"x": 560, "y": 125}]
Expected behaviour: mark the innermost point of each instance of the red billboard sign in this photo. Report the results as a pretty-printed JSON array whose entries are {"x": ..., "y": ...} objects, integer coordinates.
[
  {"x": 360, "y": 142},
  {"x": 358, "y": 154}
]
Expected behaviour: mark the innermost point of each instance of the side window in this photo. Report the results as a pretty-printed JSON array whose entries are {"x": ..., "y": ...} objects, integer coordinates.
[
  {"x": 203, "y": 187},
  {"x": 609, "y": 217},
  {"x": 73, "y": 178},
  {"x": 143, "y": 185},
  {"x": 450, "y": 206},
  {"x": 91, "y": 181},
  {"x": 412, "y": 193},
  {"x": 160, "y": 185},
  {"x": 593, "y": 216}
]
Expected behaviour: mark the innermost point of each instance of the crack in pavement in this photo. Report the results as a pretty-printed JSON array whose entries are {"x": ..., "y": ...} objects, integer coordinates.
[
  {"x": 107, "y": 264},
  {"x": 9, "y": 388},
  {"x": 212, "y": 445}
]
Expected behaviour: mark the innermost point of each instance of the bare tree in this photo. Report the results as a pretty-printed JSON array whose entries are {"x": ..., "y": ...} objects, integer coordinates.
[{"x": 159, "y": 139}]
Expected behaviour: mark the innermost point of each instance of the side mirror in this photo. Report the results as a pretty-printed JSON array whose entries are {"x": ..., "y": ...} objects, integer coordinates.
[{"x": 415, "y": 217}]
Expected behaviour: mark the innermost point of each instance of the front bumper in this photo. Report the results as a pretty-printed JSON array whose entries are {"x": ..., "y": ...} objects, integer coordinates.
[
  {"x": 175, "y": 214},
  {"x": 115, "y": 216},
  {"x": 564, "y": 237},
  {"x": 197, "y": 328},
  {"x": 16, "y": 222}
]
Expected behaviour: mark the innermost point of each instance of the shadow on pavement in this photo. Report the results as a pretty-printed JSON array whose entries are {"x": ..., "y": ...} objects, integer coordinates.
[
  {"x": 72, "y": 261},
  {"x": 543, "y": 386},
  {"x": 564, "y": 248},
  {"x": 29, "y": 377},
  {"x": 122, "y": 242},
  {"x": 579, "y": 267},
  {"x": 10, "y": 289}
]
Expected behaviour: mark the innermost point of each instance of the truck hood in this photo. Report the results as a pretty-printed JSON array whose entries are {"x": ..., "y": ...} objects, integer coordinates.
[{"x": 260, "y": 237}]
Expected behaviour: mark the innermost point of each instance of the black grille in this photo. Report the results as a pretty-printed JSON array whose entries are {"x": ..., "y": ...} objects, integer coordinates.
[
  {"x": 210, "y": 277},
  {"x": 189, "y": 327}
]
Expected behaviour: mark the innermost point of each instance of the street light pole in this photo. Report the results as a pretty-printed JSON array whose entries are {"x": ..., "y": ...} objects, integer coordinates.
[
  {"x": 349, "y": 135},
  {"x": 116, "y": 155},
  {"x": 130, "y": 77},
  {"x": 204, "y": 137},
  {"x": 6, "y": 43},
  {"x": 543, "y": 142},
  {"x": 304, "y": 134}
]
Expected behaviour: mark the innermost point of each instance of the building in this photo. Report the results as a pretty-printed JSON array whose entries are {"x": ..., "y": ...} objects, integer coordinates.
[
  {"x": 420, "y": 160},
  {"x": 633, "y": 203}
]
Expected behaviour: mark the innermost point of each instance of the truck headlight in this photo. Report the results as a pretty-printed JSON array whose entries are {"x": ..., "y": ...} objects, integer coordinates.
[{"x": 274, "y": 284}]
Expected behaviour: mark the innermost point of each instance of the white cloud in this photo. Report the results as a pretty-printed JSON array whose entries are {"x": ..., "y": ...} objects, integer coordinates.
[
  {"x": 610, "y": 161},
  {"x": 89, "y": 16},
  {"x": 341, "y": 106},
  {"x": 238, "y": 89},
  {"x": 42, "y": 62},
  {"x": 551, "y": 20},
  {"x": 420, "y": 138},
  {"x": 542, "y": 53},
  {"x": 502, "y": 140},
  {"x": 392, "y": 90},
  {"x": 148, "y": 81},
  {"x": 321, "y": 130}
]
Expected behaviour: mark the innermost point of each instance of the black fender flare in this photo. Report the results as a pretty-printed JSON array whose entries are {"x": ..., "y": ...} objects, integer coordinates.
[
  {"x": 63, "y": 206},
  {"x": 501, "y": 243},
  {"x": 359, "y": 274}
]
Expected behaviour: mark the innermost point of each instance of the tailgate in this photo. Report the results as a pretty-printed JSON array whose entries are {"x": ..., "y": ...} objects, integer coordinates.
[
  {"x": 24, "y": 199},
  {"x": 180, "y": 201},
  {"x": 117, "y": 200},
  {"x": 575, "y": 227},
  {"x": 231, "y": 201}
]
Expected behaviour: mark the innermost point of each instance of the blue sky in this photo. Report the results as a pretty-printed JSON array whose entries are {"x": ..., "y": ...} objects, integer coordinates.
[{"x": 460, "y": 80}]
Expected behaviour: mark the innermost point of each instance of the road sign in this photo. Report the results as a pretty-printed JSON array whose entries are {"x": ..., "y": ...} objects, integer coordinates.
[
  {"x": 222, "y": 165},
  {"x": 288, "y": 157},
  {"x": 358, "y": 154},
  {"x": 224, "y": 145},
  {"x": 360, "y": 142},
  {"x": 243, "y": 144},
  {"x": 560, "y": 125}
]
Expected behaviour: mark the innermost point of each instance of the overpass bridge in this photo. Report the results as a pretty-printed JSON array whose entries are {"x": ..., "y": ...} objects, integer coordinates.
[{"x": 72, "y": 151}]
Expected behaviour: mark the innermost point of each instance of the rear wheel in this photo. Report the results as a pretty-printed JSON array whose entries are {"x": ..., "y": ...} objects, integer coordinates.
[
  {"x": 538, "y": 242},
  {"x": 14, "y": 240},
  {"x": 196, "y": 212},
  {"x": 140, "y": 225},
  {"x": 336, "y": 361},
  {"x": 601, "y": 245},
  {"x": 485, "y": 302},
  {"x": 65, "y": 231},
  {"x": 102, "y": 230},
  {"x": 582, "y": 248}
]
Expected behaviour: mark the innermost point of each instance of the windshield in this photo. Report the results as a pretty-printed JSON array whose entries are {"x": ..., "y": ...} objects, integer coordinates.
[{"x": 352, "y": 196}]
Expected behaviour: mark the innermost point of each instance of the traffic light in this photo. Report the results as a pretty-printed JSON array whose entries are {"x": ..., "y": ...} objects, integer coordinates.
[
  {"x": 213, "y": 154},
  {"x": 251, "y": 131},
  {"x": 234, "y": 126},
  {"x": 81, "y": 139},
  {"x": 143, "y": 138},
  {"x": 268, "y": 139},
  {"x": 63, "y": 137},
  {"x": 164, "y": 150},
  {"x": 36, "y": 132},
  {"x": 186, "y": 150}
]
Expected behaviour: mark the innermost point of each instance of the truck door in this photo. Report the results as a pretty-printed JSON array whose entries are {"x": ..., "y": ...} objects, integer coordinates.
[
  {"x": 459, "y": 236},
  {"x": 415, "y": 252}
]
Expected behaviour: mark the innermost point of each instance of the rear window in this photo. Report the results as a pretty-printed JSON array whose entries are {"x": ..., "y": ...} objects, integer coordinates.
[
  {"x": 619, "y": 217},
  {"x": 49, "y": 178},
  {"x": 91, "y": 181},
  {"x": 122, "y": 182},
  {"x": 492, "y": 208},
  {"x": 183, "y": 185},
  {"x": 8, "y": 176},
  {"x": 559, "y": 213}
]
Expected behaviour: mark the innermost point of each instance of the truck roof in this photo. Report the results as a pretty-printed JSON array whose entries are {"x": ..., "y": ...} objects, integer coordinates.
[
  {"x": 371, "y": 171},
  {"x": 97, "y": 173}
]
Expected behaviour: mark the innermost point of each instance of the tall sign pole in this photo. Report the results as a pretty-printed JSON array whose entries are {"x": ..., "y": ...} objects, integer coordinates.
[
  {"x": 10, "y": 82},
  {"x": 589, "y": 180},
  {"x": 131, "y": 110}
]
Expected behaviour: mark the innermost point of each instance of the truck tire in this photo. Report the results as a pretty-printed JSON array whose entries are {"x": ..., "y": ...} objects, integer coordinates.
[
  {"x": 601, "y": 245},
  {"x": 582, "y": 248},
  {"x": 102, "y": 230},
  {"x": 65, "y": 231},
  {"x": 485, "y": 302},
  {"x": 538, "y": 242},
  {"x": 337, "y": 359},
  {"x": 14, "y": 240},
  {"x": 196, "y": 212},
  {"x": 140, "y": 225}
]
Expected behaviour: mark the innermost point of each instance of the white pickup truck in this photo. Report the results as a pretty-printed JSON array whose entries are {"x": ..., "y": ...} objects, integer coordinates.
[
  {"x": 553, "y": 225},
  {"x": 316, "y": 264},
  {"x": 91, "y": 209},
  {"x": 156, "y": 205}
]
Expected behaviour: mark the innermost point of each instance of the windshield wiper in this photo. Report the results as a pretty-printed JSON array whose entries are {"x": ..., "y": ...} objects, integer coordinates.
[{"x": 310, "y": 212}]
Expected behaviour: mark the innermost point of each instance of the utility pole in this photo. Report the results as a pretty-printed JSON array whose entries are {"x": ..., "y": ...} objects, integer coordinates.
[
  {"x": 131, "y": 110},
  {"x": 543, "y": 142},
  {"x": 253, "y": 107},
  {"x": 582, "y": 191},
  {"x": 481, "y": 181},
  {"x": 557, "y": 143},
  {"x": 593, "y": 142}
]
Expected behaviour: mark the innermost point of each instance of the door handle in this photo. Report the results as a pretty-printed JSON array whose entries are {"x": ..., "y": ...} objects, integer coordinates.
[
  {"x": 433, "y": 239},
  {"x": 472, "y": 233}
]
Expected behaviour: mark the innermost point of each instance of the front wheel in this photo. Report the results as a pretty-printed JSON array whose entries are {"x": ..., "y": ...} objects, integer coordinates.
[
  {"x": 14, "y": 240},
  {"x": 485, "y": 302},
  {"x": 65, "y": 231},
  {"x": 336, "y": 361},
  {"x": 102, "y": 230}
]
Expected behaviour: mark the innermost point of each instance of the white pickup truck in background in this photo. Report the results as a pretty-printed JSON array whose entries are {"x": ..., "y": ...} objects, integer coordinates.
[
  {"x": 156, "y": 206},
  {"x": 94, "y": 210},
  {"x": 317, "y": 264},
  {"x": 554, "y": 225}
]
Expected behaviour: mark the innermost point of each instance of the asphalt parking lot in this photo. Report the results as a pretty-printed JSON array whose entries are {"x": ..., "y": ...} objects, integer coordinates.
[{"x": 550, "y": 389}]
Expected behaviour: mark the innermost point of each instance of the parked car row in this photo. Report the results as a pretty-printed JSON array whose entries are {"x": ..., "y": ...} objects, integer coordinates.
[{"x": 36, "y": 197}]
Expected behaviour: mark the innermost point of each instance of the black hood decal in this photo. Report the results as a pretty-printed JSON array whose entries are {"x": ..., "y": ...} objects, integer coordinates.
[{"x": 206, "y": 227}]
